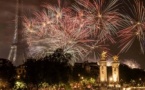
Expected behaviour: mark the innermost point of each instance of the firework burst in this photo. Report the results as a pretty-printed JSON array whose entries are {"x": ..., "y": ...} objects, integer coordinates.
[
  {"x": 131, "y": 63},
  {"x": 46, "y": 33},
  {"x": 133, "y": 26},
  {"x": 79, "y": 34},
  {"x": 96, "y": 48},
  {"x": 102, "y": 17}
]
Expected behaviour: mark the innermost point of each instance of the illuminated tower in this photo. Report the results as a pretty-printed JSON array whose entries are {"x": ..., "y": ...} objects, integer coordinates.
[
  {"x": 115, "y": 69},
  {"x": 103, "y": 68},
  {"x": 13, "y": 51}
]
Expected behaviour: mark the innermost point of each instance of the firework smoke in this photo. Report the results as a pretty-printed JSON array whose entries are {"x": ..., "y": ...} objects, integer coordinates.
[{"x": 131, "y": 63}]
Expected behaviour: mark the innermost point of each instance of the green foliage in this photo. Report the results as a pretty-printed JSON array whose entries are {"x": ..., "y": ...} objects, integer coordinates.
[{"x": 20, "y": 85}]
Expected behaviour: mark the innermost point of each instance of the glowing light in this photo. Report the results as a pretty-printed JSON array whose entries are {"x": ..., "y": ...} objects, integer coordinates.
[
  {"x": 108, "y": 61},
  {"x": 110, "y": 79},
  {"x": 20, "y": 85},
  {"x": 131, "y": 63},
  {"x": 82, "y": 78},
  {"x": 18, "y": 76},
  {"x": 43, "y": 24},
  {"x": 138, "y": 23},
  {"x": 114, "y": 78},
  {"x": 99, "y": 15},
  {"x": 137, "y": 33}
]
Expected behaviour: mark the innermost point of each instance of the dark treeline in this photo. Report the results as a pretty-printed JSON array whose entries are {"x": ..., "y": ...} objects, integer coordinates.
[
  {"x": 52, "y": 69},
  {"x": 7, "y": 73},
  {"x": 55, "y": 69}
]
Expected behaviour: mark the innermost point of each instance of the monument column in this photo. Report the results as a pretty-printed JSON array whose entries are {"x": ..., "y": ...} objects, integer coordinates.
[
  {"x": 103, "y": 68},
  {"x": 115, "y": 69}
]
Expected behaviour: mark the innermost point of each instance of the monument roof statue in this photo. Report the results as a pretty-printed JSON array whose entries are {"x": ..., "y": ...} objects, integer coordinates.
[
  {"x": 115, "y": 58},
  {"x": 103, "y": 55}
]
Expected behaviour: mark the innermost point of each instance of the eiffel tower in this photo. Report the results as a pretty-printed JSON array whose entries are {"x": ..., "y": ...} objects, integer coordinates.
[{"x": 13, "y": 51}]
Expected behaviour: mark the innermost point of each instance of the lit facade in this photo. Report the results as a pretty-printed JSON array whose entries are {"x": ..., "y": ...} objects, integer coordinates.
[
  {"x": 103, "y": 71},
  {"x": 103, "y": 68},
  {"x": 115, "y": 69}
]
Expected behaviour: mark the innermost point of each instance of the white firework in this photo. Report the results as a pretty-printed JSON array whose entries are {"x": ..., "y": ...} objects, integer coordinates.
[
  {"x": 131, "y": 63},
  {"x": 47, "y": 32}
]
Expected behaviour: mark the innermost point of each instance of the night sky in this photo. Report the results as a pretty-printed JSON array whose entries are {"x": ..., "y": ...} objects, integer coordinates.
[{"x": 7, "y": 16}]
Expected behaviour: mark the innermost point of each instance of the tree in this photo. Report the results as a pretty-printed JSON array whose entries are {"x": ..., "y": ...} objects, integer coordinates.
[
  {"x": 51, "y": 69},
  {"x": 7, "y": 72}
]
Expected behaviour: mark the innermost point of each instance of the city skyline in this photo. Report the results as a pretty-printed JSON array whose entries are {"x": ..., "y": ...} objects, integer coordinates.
[{"x": 7, "y": 17}]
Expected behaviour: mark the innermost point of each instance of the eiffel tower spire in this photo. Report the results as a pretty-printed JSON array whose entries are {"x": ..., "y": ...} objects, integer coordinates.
[{"x": 13, "y": 51}]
